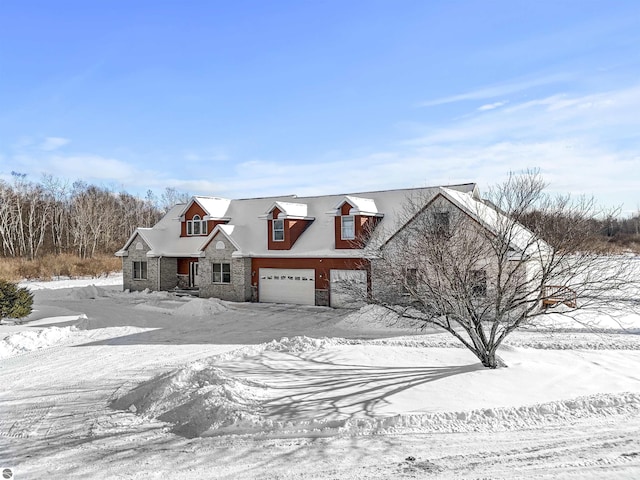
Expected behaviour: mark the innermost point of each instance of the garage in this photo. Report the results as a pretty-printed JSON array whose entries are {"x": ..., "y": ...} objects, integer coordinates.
[
  {"x": 288, "y": 285},
  {"x": 348, "y": 288}
]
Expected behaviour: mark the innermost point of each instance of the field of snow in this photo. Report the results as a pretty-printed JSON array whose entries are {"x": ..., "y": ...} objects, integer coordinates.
[{"x": 100, "y": 383}]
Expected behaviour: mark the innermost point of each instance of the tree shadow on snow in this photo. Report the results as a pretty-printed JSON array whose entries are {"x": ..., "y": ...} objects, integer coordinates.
[{"x": 326, "y": 391}]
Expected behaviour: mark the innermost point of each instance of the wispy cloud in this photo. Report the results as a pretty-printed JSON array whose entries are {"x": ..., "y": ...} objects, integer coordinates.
[
  {"x": 53, "y": 143},
  {"x": 584, "y": 144},
  {"x": 491, "y": 106},
  {"x": 500, "y": 90}
]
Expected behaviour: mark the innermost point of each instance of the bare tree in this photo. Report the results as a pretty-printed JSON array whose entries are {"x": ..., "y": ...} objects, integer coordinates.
[
  {"x": 7, "y": 216},
  {"x": 170, "y": 197},
  {"x": 57, "y": 192},
  {"x": 471, "y": 268}
]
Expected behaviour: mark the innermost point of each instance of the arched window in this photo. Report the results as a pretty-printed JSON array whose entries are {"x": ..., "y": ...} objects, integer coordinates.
[{"x": 196, "y": 226}]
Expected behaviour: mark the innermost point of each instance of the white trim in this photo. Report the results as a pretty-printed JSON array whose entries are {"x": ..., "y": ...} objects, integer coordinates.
[
  {"x": 359, "y": 206},
  {"x": 274, "y": 230},
  {"x": 353, "y": 225},
  {"x": 222, "y": 273},
  {"x": 294, "y": 211}
]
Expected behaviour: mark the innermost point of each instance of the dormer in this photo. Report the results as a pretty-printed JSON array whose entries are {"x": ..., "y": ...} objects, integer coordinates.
[
  {"x": 355, "y": 219},
  {"x": 285, "y": 223},
  {"x": 201, "y": 215}
]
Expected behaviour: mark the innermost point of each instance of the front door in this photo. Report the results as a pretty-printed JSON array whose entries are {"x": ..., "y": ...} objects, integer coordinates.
[{"x": 193, "y": 274}]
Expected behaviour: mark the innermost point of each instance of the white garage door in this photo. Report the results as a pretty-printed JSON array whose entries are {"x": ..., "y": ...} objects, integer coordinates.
[
  {"x": 288, "y": 285},
  {"x": 348, "y": 288}
]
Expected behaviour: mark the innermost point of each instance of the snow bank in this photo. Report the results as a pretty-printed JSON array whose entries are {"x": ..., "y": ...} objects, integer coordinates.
[
  {"x": 537, "y": 340},
  {"x": 197, "y": 399},
  {"x": 111, "y": 280},
  {"x": 201, "y": 398},
  {"x": 307, "y": 387},
  {"x": 500, "y": 419},
  {"x": 574, "y": 340},
  {"x": 29, "y": 340},
  {"x": 200, "y": 307}
]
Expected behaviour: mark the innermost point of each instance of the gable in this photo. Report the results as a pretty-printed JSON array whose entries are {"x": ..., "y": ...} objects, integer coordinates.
[
  {"x": 219, "y": 243},
  {"x": 464, "y": 207}
]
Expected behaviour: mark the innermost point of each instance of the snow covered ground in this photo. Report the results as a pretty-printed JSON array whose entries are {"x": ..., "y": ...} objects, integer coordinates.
[{"x": 99, "y": 383}]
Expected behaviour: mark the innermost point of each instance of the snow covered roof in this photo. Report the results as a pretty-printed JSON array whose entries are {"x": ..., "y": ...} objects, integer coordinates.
[
  {"x": 215, "y": 207},
  {"x": 361, "y": 206},
  {"x": 247, "y": 231},
  {"x": 289, "y": 210},
  {"x": 520, "y": 237}
]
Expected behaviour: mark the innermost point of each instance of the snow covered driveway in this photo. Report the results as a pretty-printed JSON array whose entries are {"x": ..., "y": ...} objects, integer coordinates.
[{"x": 113, "y": 385}]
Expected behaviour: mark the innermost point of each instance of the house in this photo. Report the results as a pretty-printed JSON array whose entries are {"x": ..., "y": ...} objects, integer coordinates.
[
  {"x": 285, "y": 249},
  {"x": 457, "y": 243}
]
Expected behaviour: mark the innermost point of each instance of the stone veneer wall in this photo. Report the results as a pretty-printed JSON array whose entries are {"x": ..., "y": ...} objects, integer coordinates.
[
  {"x": 168, "y": 272},
  {"x": 239, "y": 290},
  {"x": 322, "y": 298},
  {"x": 138, "y": 253}
]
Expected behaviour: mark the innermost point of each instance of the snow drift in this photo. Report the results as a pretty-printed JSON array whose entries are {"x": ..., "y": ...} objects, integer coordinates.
[
  {"x": 302, "y": 386},
  {"x": 30, "y": 340}
]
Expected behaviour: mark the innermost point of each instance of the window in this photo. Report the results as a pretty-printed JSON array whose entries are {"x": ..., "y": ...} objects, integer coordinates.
[
  {"x": 410, "y": 281},
  {"x": 278, "y": 230},
  {"x": 441, "y": 223},
  {"x": 348, "y": 230},
  {"x": 221, "y": 273},
  {"x": 196, "y": 226},
  {"x": 479, "y": 283},
  {"x": 139, "y": 270}
]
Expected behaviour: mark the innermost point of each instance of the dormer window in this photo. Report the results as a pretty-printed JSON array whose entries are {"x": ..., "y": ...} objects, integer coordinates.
[
  {"x": 355, "y": 219},
  {"x": 348, "y": 227},
  {"x": 278, "y": 230},
  {"x": 196, "y": 226},
  {"x": 202, "y": 214},
  {"x": 286, "y": 221}
]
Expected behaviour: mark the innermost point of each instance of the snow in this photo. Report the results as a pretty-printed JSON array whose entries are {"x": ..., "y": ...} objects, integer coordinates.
[
  {"x": 108, "y": 280},
  {"x": 100, "y": 383},
  {"x": 27, "y": 341},
  {"x": 341, "y": 386}
]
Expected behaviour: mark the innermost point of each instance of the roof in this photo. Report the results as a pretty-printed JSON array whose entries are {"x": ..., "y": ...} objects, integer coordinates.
[
  {"x": 216, "y": 207},
  {"x": 247, "y": 230},
  {"x": 520, "y": 238},
  {"x": 361, "y": 206},
  {"x": 289, "y": 210}
]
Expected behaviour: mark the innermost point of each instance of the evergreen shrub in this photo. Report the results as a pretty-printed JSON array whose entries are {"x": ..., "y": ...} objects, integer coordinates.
[{"x": 15, "y": 302}]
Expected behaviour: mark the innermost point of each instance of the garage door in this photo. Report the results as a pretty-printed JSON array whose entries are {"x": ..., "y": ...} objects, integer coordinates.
[
  {"x": 348, "y": 288},
  {"x": 288, "y": 285}
]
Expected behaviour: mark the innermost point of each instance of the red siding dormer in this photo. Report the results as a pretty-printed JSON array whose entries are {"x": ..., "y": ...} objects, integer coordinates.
[
  {"x": 196, "y": 212},
  {"x": 352, "y": 230},
  {"x": 282, "y": 232}
]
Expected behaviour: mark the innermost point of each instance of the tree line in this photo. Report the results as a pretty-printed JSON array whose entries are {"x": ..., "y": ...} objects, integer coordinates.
[{"x": 54, "y": 216}]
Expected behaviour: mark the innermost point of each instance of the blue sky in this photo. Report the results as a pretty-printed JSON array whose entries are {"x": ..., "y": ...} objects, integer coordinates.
[{"x": 251, "y": 98}]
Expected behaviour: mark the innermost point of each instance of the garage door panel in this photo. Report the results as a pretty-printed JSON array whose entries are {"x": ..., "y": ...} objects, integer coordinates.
[{"x": 287, "y": 285}]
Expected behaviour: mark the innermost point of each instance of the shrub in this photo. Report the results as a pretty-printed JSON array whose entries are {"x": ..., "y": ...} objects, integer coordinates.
[{"x": 15, "y": 302}]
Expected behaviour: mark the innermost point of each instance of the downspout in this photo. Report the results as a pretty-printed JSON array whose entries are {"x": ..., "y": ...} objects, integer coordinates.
[{"x": 159, "y": 275}]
